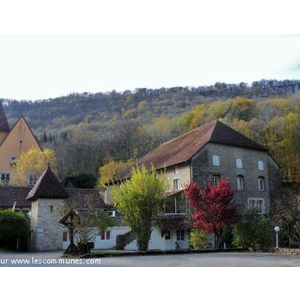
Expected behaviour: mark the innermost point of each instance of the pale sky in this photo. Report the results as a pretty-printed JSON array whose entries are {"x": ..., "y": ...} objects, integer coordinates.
[{"x": 41, "y": 62}]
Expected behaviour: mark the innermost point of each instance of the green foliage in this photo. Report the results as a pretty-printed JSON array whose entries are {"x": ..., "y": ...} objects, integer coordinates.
[
  {"x": 105, "y": 221},
  {"x": 139, "y": 200},
  {"x": 255, "y": 230},
  {"x": 80, "y": 180},
  {"x": 286, "y": 214},
  {"x": 199, "y": 240},
  {"x": 14, "y": 230},
  {"x": 227, "y": 236}
]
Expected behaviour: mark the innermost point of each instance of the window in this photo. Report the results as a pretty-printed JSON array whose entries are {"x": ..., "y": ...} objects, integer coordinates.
[
  {"x": 180, "y": 235},
  {"x": 176, "y": 184},
  {"x": 216, "y": 160},
  {"x": 12, "y": 160},
  {"x": 111, "y": 213},
  {"x": 216, "y": 179},
  {"x": 175, "y": 205},
  {"x": 65, "y": 236},
  {"x": 260, "y": 165},
  {"x": 32, "y": 178},
  {"x": 105, "y": 235},
  {"x": 240, "y": 183},
  {"x": 5, "y": 177},
  {"x": 167, "y": 235},
  {"x": 239, "y": 163},
  {"x": 261, "y": 184},
  {"x": 50, "y": 208},
  {"x": 258, "y": 204}
]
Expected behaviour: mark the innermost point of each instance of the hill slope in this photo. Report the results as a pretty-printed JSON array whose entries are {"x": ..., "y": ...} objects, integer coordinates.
[{"x": 144, "y": 105}]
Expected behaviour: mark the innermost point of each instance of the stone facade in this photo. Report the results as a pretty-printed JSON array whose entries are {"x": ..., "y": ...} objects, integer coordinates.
[
  {"x": 180, "y": 173},
  {"x": 47, "y": 233},
  {"x": 257, "y": 172},
  {"x": 232, "y": 163}
]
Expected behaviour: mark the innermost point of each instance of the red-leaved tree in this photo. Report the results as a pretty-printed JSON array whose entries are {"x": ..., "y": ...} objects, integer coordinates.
[{"x": 213, "y": 207}]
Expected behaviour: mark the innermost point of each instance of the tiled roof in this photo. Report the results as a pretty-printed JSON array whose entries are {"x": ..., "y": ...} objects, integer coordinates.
[
  {"x": 84, "y": 198},
  {"x": 173, "y": 222},
  {"x": 184, "y": 147},
  {"x": 11, "y": 194},
  {"x": 3, "y": 120},
  {"x": 48, "y": 186}
]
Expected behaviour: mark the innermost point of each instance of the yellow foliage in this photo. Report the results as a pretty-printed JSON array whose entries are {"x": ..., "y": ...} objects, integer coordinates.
[
  {"x": 111, "y": 170},
  {"x": 33, "y": 162}
]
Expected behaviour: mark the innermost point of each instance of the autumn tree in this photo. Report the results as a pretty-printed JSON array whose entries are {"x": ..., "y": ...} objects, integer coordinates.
[
  {"x": 81, "y": 152},
  {"x": 31, "y": 165},
  {"x": 139, "y": 200},
  {"x": 286, "y": 214},
  {"x": 111, "y": 170},
  {"x": 129, "y": 140},
  {"x": 164, "y": 129},
  {"x": 213, "y": 207}
]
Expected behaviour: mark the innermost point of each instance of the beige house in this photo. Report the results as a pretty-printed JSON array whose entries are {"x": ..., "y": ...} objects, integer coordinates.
[{"x": 12, "y": 143}]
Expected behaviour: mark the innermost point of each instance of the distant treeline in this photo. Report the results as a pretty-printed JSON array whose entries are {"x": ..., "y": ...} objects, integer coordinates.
[{"x": 144, "y": 105}]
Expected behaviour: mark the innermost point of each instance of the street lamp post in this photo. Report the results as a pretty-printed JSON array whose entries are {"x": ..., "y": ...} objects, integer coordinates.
[{"x": 276, "y": 231}]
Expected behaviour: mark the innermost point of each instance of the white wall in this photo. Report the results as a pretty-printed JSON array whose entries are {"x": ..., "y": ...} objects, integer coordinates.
[
  {"x": 47, "y": 233},
  {"x": 103, "y": 244},
  {"x": 157, "y": 242}
]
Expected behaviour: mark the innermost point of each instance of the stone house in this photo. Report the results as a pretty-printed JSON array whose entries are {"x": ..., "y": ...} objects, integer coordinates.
[{"x": 208, "y": 154}]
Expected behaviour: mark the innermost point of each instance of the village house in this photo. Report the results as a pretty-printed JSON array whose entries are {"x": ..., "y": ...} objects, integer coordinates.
[
  {"x": 207, "y": 154},
  {"x": 19, "y": 138}
]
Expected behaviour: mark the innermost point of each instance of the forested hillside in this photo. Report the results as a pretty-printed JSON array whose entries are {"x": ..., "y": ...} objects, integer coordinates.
[
  {"x": 143, "y": 105},
  {"x": 85, "y": 129}
]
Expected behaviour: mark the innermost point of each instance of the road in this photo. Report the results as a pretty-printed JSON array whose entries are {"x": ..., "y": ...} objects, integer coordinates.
[{"x": 219, "y": 259}]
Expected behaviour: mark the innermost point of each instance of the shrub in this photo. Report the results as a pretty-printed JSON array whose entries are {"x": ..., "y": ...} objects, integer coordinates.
[
  {"x": 199, "y": 240},
  {"x": 255, "y": 230},
  {"x": 14, "y": 230}
]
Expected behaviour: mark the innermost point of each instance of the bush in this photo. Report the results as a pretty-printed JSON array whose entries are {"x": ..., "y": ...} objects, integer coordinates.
[
  {"x": 255, "y": 230},
  {"x": 80, "y": 180},
  {"x": 199, "y": 240},
  {"x": 14, "y": 230}
]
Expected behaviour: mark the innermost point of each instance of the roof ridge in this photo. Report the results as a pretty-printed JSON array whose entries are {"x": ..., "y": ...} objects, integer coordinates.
[
  {"x": 10, "y": 131},
  {"x": 48, "y": 186},
  {"x": 214, "y": 126}
]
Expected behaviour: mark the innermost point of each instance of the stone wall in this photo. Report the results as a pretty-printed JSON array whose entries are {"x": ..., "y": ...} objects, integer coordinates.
[
  {"x": 180, "y": 172},
  {"x": 203, "y": 170},
  {"x": 47, "y": 233},
  {"x": 288, "y": 251}
]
